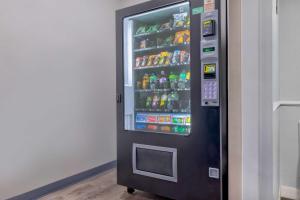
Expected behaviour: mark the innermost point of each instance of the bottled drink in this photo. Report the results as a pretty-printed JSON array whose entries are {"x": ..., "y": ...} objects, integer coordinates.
[
  {"x": 172, "y": 100},
  {"x": 155, "y": 101},
  {"x": 153, "y": 81},
  {"x": 148, "y": 102},
  {"x": 163, "y": 101},
  {"x": 182, "y": 80},
  {"x": 173, "y": 80},
  {"x": 145, "y": 83},
  {"x": 163, "y": 81}
]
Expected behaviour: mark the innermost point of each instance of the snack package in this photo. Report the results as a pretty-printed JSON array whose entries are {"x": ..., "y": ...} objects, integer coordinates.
[
  {"x": 146, "y": 43},
  {"x": 141, "y": 30},
  {"x": 150, "y": 60},
  {"x": 168, "y": 41},
  {"x": 144, "y": 61},
  {"x": 165, "y": 129},
  {"x": 182, "y": 37},
  {"x": 152, "y": 28},
  {"x": 138, "y": 62},
  {"x": 184, "y": 57},
  {"x": 152, "y": 127},
  {"x": 143, "y": 44},
  {"x": 188, "y": 21},
  {"x": 163, "y": 57},
  {"x": 165, "y": 26},
  {"x": 156, "y": 60},
  {"x": 140, "y": 126},
  {"x": 180, "y": 19},
  {"x": 168, "y": 60},
  {"x": 176, "y": 57}
]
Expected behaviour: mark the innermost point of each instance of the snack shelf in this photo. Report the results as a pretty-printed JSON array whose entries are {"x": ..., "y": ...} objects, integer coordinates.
[
  {"x": 170, "y": 30},
  {"x": 163, "y": 123},
  {"x": 163, "y": 66},
  {"x": 162, "y": 47},
  {"x": 181, "y": 111},
  {"x": 162, "y": 90}
]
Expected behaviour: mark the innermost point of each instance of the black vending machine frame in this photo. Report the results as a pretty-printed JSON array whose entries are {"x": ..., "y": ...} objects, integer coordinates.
[{"x": 206, "y": 147}]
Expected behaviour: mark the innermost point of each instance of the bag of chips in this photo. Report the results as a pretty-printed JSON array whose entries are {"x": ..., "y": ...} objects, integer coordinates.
[
  {"x": 156, "y": 60},
  {"x": 182, "y": 37},
  {"x": 151, "y": 60},
  {"x": 144, "y": 61},
  {"x": 184, "y": 57},
  {"x": 138, "y": 62},
  {"x": 153, "y": 28},
  {"x": 169, "y": 58},
  {"x": 165, "y": 26},
  {"x": 180, "y": 19},
  {"x": 176, "y": 57},
  {"x": 163, "y": 57},
  {"x": 141, "y": 30}
]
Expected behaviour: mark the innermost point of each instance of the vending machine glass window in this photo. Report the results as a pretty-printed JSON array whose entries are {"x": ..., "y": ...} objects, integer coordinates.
[{"x": 157, "y": 71}]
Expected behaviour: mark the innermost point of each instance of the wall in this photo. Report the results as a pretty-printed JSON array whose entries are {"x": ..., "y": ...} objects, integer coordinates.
[
  {"x": 275, "y": 91},
  {"x": 57, "y": 85},
  {"x": 289, "y": 71},
  {"x": 127, "y": 3}
]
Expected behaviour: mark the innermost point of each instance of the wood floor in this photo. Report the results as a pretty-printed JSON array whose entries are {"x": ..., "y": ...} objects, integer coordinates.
[{"x": 101, "y": 187}]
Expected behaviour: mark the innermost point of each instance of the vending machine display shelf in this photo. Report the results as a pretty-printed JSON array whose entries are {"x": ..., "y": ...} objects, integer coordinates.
[
  {"x": 163, "y": 66},
  {"x": 162, "y": 90},
  {"x": 169, "y": 30},
  {"x": 171, "y": 46}
]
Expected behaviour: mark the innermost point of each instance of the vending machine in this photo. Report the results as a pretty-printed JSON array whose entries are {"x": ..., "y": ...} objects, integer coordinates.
[{"x": 172, "y": 98}]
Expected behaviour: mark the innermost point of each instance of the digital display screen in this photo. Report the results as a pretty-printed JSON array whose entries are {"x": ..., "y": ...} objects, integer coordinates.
[
  {"x": 209, "y": 68},
  {"x": 208, "y": 28},
  {"x": 208, "y": 49}
]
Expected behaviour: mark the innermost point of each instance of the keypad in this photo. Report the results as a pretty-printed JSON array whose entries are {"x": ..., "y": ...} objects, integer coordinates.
[{"x": 210, "y": 90}]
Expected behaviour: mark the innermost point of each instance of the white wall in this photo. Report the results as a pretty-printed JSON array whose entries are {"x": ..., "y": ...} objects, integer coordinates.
[
  {"x": 57, "y": 88},
  {"x": 127, "y": 3},
  {"x": 289, "y": 48},
  {"x": 250, "y": 100}
]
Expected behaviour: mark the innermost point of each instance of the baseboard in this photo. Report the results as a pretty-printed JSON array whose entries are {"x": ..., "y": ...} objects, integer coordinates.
[
  {"x": 52, "y": 187},
  {"x": 289, "y": 192}
]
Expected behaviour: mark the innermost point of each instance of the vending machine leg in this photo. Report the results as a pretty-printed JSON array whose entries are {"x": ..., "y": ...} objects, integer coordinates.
[{"x": 130, "y": 190}]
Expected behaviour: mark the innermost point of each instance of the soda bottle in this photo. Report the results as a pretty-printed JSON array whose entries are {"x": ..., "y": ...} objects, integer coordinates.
[
  {"x": 173, "y": 80},
  {"x": 182, "y": 80},
  {"x": 172, "y": 100},
  {"x": 188, "y": 79},
  {"x": 148, "y": 102},
  {"x": 153, "y": 81},
  {"x": 163, "y": 101},
  {"x": 145, "y": 83},
  {"x": 155, "y": 102},
  {"x": 138, "y": 85},
  {"x": 163, "y": 81}
]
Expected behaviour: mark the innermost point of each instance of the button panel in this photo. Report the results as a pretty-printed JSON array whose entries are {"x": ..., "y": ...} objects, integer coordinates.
[{"x": 209, "y": 59}]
